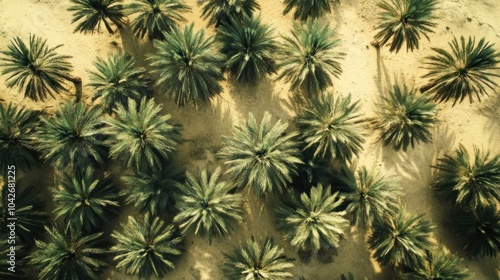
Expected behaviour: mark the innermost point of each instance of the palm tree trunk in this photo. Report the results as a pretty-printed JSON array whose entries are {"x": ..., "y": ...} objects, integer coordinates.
[
  {"x": 106, "y": 24},
  {"x": 77, "y": 81}
]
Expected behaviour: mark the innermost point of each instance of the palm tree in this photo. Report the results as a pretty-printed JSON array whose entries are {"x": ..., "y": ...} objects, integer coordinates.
[
  {"x": 308, "y": 58},
  {"x": 68, "y": 254},
  {"x": 469, "y": 184},
  {"x": 479, "y": 230},
  {"x": 156, "y": 17},
  {"x": 257, "y": 261},
  {"x": 206, "y": 205},
  {"x": 84, "y": 201},
  {"x": 401, "y": 239},
  {"x": 91, "y": 13},
  {"x": 373, "y": 197},
  {"x": 17, "y": 130},
  {"x": 153, "y": 191},
  {"x": 331, "y": 127},
  {"x": 188, "y": 66},
  {"x": 146, "y": 248},
  {"x": 72, "y": 138},
  {"x": 249, "y": 48},
  {"x": 306, "y": 9},
  {"x": 439, "y": 265},
  {"x": 221, "y": 11},
  {"x": 261, "y": 156},
  {"x": 312, "y": 222},
  {"x": 468, "y": 71},
  {"x": 140, "y": 136},
  {"x": 37, "y": 69},
  {"x": 118, "y": 79},
  {"x": 405, "y": 118},
  {"x": 28, "y": 211},
  {"x": 404, "y": 21}
]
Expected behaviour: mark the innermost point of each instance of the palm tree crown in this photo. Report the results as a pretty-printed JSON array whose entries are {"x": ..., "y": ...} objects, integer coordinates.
[
  {"x": 404, "y": 21},
  {"x": 146, "y": 248},
  {"x": 221, "y": 11},
  {"x": 117, "y": 79},
  {"x": 37, "y": 69},
  {"x": 438, "y": 265},
  {"x": 331, "y": 127},
  {"x": 405, "y": 118},
  {"x": 140, "y": 136},
  {"x": 84, "y": 201},
  {"x": 308, "y": 58},
  {"x": 156, "y": 17},
  {"x": 400, "y": 239},
  {"x": 206, "y": 206},
  {"x": 188, "y": 66},
  {"x": 17, "y": 130},
  {"x": 249, "y": 48},
  {"x": 67, "y": 254},
  {"x": 306, "y": 9},
  {"x": 72, "y": 138},
  {"x": 313, "y": 221},
  {"x": 153, "y": 191},
  {"x": 91, "y": 13},
  {"x": 261, "y": 156},
  {"x": 257, "y": 261},
  {"x": 466, "y": 72},
  {"x": 469, "y": 184}
]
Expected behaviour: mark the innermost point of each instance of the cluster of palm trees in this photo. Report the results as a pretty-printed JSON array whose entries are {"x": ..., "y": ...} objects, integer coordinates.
[{"x": 299, "y": 163}]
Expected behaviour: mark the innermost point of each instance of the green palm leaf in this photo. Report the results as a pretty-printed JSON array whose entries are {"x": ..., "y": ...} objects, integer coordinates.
[
  {"x": 156, "y": 17},
  {"x": 468, "y": 71},
  {"x": 221, "y": 11},
  {"x": 261, "y": 156},
  {"x": 91, "y": 13},
  {"x": 72, "y": 138},
  {"x": 438, "y": 266},
  {"x": 405, "y": 118},
  {"x": 331, "y": 127},
  {"x": 19, "y": 263},
  {"x": 405, "y": 21},
  {"x": 188, "y": 66},
  {"x": 146, "y": 248},
  {"x": 117, "y": 79},
  {"x": 257, "y": 261},
  {"x": 140, "y": 136},
  {"x": 206, "y": 206},
  {"x": 308, "y": 9},
  {"x": 17, "y": 131},
  {"x": 469, "y": 184},
  {"x": 309, "y": 58},
  {"x": 249, "y": 48}
]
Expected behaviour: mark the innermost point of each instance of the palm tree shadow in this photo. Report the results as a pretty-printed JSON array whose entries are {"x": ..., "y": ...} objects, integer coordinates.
[
  {"x": 139, "y": 48},
  {"x": 491, "y": 110},
  {"x": 383, "y": 80}
]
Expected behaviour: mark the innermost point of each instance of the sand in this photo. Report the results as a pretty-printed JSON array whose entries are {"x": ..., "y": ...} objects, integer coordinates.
[{"x": 366, "y": 73}]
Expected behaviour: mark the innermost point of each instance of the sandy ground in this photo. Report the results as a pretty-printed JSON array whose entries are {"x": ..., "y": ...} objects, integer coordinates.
[{"x": 366, "y": 73}]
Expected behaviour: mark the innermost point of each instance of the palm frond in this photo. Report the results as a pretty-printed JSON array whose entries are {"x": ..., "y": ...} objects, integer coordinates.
[
  {"x": 313, "y": 221},
  {"x": 469, "y": 183},
  {"x": 258, "y": 261},
  {"x": 84, "y": 201},
  {"x": 35, "y": 68},
  {"x": 467, "y": 71},
  {"x": 438, "y": 265},
  {"x": 67, "y": 254},
  {"x": 221, "y": 11},
  {"x": 140, "y": 136},
  {"x": 156, "y": 17},
  {"x": 405, "y": 21},
  {"x": 188, "y": 66},
  {"x": 153, "y": 191},
  {"x": 146, "y": 248},
  {"x": 309, "y": 58},
  {"x": 91, "y": 13},
  {"x": 19, "y": 263},
  {"x": 72, "y": 137},
  {"x": 331, "y": 127},
  {"x": 206, "y": 205},
  {"x": 307, "y": 9},
  {"x": 405, "y": 118},
  {"x": 117, "y": 79},
  {"x": 17, "y": 131},
  {"x": 249, "y": 48},
  {"x": 261, "y": 156}
]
